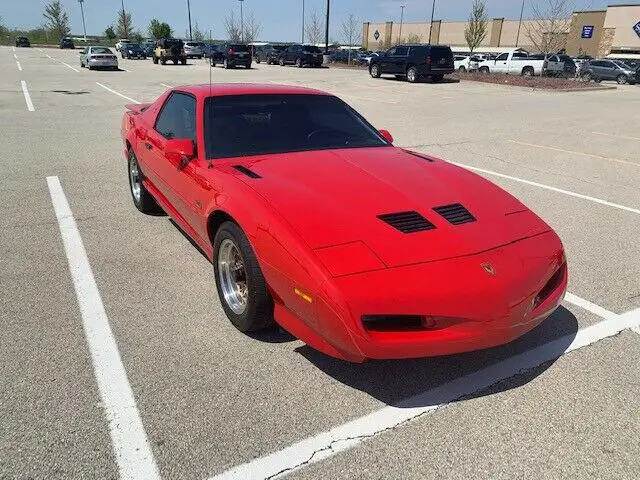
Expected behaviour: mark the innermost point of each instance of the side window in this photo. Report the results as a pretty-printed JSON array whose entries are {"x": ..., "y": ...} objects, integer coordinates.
[
  {"x": 609, "y": 65},
  {"x": 502, "y": 57},
  {"x": 402, "y": 52},
  {"x": 177, "y": 119},
  {"x": 595, "y": 63},
  {"x": 392, "y": 52}
]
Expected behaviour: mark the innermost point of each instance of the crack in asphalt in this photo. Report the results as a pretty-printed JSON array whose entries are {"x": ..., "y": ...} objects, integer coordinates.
[{"x": 519, "y": 373}]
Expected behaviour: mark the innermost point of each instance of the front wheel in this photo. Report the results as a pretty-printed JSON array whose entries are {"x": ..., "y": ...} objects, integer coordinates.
[
  {"x": 374, "y": 70},
  {"x": 241, "y": 287},
  {"x": 484, "y": 70},
  {"x": 299, "y": 62},
  {"x": 412, "y": 74},
  {"x": 622, "y": 79},
  {"x": 257, "y": 59},
  {"x": 282, "y": 62},
  {"x": 527, "y": 72},
  {"x": 155, "y": 59},
  {"x": 142, "y": 199}
]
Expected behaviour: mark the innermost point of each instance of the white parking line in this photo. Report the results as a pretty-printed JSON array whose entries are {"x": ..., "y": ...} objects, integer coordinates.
[
  {"x": 15, "y": 56},
  {"x": 590, "y": 307},
  {"x": 18, "y": 65},
  {"x": 14, "y": 48},
  {"x": 626, "y": 137},
  {"x": 67, "y": 65},
  {"x": 27, "y": 97},
  {"x": 165, "y": 85},
  {"x": 131, "y": 447},
  {"x": 574, "y": 152},
  {"x": 553, "y": 189},
  {"x": 117, "y": 93},
  {"x": 344, "y": 437}
]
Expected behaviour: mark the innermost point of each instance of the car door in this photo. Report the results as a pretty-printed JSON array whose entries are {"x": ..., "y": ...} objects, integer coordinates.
[
  {"x": 386, "y": 61},
  {"x": 83, "y": 56},
  {"x": 176, "y": 120},
  {"x": 501, "y": 63},
  {"x": 399, "y": 60},
  {"x": 609, "y": 70}
]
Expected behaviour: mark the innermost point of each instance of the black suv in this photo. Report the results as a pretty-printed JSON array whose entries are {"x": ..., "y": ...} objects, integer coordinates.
[
  {"x": 231, "y": 55},
  {"x": 269, "y": 54},
  {"x": 301, "y": 55},
  {"x": 22, "y": 42},
  {"x": 414, "y": 62},
  {"x": 67, "y": 43}
]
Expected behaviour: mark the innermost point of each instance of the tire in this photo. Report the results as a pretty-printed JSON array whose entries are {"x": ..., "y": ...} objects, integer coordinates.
[
  {"x": 622, "y": 79},
  {"x": 528, "y": 72},
  {"x": 81, "y": 64},
  {"x": 89, "y": 67},
  {"x": 143, "y": 201},
  {"x": 163, "y": 61},
  {"x": 175, "y": 61},
  {"x": 257, "y": 311},
  {"x": 281, "y": 62},
  {"x": 412, "y": 74},
  {"x": 183, "y": 61},
  {"x": 437, "y": 78},
  {"x": 155, "y": 59},
  {"x": 462, "y": 69},
  {"x": 374, "y": 71},
  {"x": 225, "y": 63},
  {"x": 299, "y": 63},
  {"x": 587, "y": 77},
  {"x": 484, "y": 70},
  {"x": 257, "y": 59}
]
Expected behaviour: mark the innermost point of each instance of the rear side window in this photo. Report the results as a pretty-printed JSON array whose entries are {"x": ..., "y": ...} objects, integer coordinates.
[
  {"x": 177, "y": 119},
  {"x": 502, "y": 57},
  {"x": 401, "y": 51},
  {"x": 438, "y": 53},
  {"x": 517, "y": 55}
]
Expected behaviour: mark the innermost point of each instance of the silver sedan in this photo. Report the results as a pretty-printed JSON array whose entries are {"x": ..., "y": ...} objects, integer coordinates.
[{"x": 98, "y": 57}]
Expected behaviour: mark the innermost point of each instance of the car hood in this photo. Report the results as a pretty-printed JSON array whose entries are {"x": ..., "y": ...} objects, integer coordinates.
[{"x": 335, "y": 197}]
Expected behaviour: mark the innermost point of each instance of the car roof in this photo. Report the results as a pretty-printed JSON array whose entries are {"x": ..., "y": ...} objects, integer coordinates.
[{"x": 222, "y": 89}]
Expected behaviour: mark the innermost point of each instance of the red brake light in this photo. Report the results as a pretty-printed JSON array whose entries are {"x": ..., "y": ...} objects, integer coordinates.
[
  {"x": 231, "y": 52},
  {"x": 429, "y": 60}
]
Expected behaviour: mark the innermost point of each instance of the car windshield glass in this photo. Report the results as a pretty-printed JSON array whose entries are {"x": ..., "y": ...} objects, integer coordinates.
[
  {"x": 622, "y": 65},
  {"x": 101, "y": 50},
  {"x": 133, "y": 46},
  {"x": 241, "y": 125}
]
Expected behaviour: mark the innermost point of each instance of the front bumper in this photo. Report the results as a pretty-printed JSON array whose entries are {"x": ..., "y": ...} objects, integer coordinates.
[{"x": 473, "y": 309}]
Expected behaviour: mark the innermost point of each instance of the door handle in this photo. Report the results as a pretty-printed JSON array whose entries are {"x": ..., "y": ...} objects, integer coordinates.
[{"x": 148, "y": 146}]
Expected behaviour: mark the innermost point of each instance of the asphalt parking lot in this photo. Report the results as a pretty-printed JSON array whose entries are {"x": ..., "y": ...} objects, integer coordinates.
[{"x": 197, "y": 399}]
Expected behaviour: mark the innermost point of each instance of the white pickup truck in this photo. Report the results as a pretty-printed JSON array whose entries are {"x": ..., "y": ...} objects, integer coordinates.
[{"x": 514, "y": 62}]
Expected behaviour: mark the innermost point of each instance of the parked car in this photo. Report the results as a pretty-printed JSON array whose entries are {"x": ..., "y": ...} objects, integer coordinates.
[
  {"x": 132, "y": 50},
  {"x": 98, "y": 57},
  {"x": 22, "y": 42},
  {"x": 366, "y": 57},
  {"x": 231, "y": 55},
  {"x": 560, "y": 65},
  {"x": 345, "y": 56},
  {"x": 193, "y": 50},
  {"x": 120, "y": 43},
  {"x": 67, "y": 43},
  {"x": 414, "y": 62},
  {"x": 514, "y": 62},
  {"x": 301, "y": 55},
  {"x": 461, "y": 62},
  {"x": 269, "y": 54},
  {"x": 603, "y": 69},
  {"x": 148, "y": 48},
  {"x": 169, "y": 50}
]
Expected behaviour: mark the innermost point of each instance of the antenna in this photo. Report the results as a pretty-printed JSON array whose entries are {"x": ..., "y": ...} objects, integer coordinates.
[{"x": 210, "y": 70}]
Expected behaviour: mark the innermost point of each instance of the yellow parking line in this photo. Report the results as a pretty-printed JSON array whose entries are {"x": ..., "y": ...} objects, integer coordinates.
[
  {"x": 573, "y": 152},
  {"x": 616, "y": 136}
]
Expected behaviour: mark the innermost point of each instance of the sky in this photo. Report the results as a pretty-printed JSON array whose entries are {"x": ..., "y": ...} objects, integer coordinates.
[{"x": 281, "y": 19}]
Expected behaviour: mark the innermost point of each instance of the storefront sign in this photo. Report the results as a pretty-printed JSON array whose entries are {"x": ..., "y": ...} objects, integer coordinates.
[{"x": 587, "y": 31}]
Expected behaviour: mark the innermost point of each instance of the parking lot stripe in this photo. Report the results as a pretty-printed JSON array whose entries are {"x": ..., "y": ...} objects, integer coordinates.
[
  {"x": 72, "y": 68},
  {"x": 19, "y": 66},
  {"x": 348, "y": 435},
  {"x": 117, "y": 93},
  {"x": 625, "y": 137},
  {"x": 27, "y": 97},
  {"x": 132, "y": 451},
  {"x": 573, "y": 152},
  {"x": 15, "y": 56},
  {"x": 590, "y": 307},
  {"x": 553, "y": 189},
  {"x": 165, "y": 85}
]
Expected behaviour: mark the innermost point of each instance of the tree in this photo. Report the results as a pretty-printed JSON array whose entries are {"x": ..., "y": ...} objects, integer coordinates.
[
  {"x": 549, "y": 24},
  {"x": 56, "y": 20},
  {"x": 124, "y": 28},
  {"x": 314, "y": 28},
  {"x": 232, "y": 27},
  {"x": 351, "y": 32},
  {"x": 159, "y": 29},
  {"x": 252, "y": 28},
  {"x": 110, "y": 33},
  {"x": 198, "y": 35},
  {"x": 476, "y": 30}
]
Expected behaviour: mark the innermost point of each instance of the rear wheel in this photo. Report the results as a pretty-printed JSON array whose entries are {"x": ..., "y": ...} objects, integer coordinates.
[
  {"x": 175, "y": 61},
  {"x": 142, "y": 199},
  {"x": 241, "y": 287},
  {"x": 462, "y": 69},
  {"x": 155, "y": 59},
  {"x": 299, "y": 62},
  {"x": 374, "y": 70},
  {"x": 622, "y": 79},
  {"x": 257, "y": 59},
  {"x": 282, "y": 62},
  {"x": 527, "y": 72},
  {"x": 412, "y": 74},
  {"x": 484, "y": 70},
  {"x": 163, "y": 61},
  {"x": 586, "y": 77},
  {"x": 183, "y": 61}
]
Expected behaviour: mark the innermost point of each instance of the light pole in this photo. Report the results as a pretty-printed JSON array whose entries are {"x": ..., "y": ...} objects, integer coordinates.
[
  {"x": 241, "y": 22},
  {"x": 189, "y": 13},
  {"x": 124, "y": 21},
  {"x": 520, "y": 23},
  {"x": 433, "y": 9},
  {"x": 84, "y": 28},
  {"x": 402, "y": 7},
  {"x": 302, "y": 22},
  {"x": 326, "y": 30}
]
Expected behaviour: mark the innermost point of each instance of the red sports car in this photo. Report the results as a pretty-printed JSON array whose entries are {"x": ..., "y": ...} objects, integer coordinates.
[{"x": 314, "y": 220}]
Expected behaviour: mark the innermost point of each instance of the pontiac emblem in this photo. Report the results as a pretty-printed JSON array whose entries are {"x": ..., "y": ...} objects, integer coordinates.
[{"x": 487, "y": 267}]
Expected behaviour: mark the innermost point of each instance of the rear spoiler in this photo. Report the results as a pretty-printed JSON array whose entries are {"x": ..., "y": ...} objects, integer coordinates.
[{"x": 137, "y": 107}]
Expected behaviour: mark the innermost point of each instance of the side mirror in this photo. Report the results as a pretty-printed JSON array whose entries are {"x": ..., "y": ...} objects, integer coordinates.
[
  {"x": 179, "y": 151},
  {"x": 386, "y": 135}
]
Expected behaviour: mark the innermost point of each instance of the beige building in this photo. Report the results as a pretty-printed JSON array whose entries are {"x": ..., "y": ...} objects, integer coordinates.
[{"x": 596, "y": 33}]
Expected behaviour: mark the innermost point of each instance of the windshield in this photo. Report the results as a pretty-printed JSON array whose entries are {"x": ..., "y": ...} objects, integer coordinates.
[
  {"x": 242, "y": 125},
  {"x": 101, "y": 50},
  {"x": 622, "y": 65}
]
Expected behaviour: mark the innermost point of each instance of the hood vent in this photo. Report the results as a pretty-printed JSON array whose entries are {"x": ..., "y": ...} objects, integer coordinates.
[
  {"x": 455, "y": 214},
  {"x": 407, "y": 222},
  {"x": 246, "y": 171}
]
